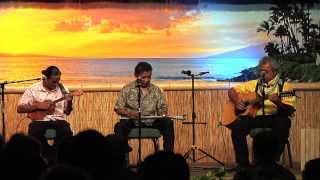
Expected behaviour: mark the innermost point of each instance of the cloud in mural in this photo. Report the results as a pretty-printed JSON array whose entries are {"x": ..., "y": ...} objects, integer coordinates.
[
  {"x": 132, "y": 20},
  {"x": 74, "y": 25},
  {"x": 107, "y": 31}
]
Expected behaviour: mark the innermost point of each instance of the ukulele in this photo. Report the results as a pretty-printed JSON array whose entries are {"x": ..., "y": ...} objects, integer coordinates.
[{"x": 40, "y": 114}]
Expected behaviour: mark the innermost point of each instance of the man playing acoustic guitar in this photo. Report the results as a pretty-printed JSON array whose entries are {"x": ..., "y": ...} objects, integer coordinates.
[
  {"x": 268, "y": 110},
  {"x": 47, "y": 102}
]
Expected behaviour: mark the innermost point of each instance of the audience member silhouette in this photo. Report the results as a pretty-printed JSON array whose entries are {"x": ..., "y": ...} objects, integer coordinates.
[
  {"x": 311, "y": 170},
  {"x": 117, "y": 152},
  {"x": 1, "y": 142},
  {"x": 164, "y": 166},
  {"x": 87, "y": 151},
  {"x": 61, "y": 172},
  {"x": 101, "y": 157},
  {"x": 65, "y": 151},
  {"x": 21, "y": 158},
  {"x": 265, "y": 147}
]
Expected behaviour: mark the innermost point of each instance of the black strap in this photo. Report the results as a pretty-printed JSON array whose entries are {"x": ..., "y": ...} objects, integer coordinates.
[
  {"x": 69, "y": 104},
  {"x": 280, "y": 85},
  {"x": 258, "y": 83},
  {"x": 63, "y": 90}
]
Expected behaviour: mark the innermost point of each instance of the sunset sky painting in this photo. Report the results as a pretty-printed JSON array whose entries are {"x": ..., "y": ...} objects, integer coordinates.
[
  {"x": 219, "y": 38},
  {"x": 197, "y": 77},
  {"x": 128, "y": 31}
]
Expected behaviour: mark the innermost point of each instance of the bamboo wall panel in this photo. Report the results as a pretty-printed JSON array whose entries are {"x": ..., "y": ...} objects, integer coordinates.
[
  {"x": 310, "y": 145},
  {"x": 306, "y": 118},
  {"x": 94, "y": 110}
]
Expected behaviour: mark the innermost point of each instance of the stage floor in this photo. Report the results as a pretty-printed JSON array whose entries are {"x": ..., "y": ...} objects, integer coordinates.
[{"x": 200, "y": 169}]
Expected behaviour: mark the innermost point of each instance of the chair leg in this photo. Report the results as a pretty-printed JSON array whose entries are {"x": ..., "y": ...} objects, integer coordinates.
[
  {"x": 127, "y": 159},
  {"x": 155, "y": 144},
  {"x": 158, "y": 146},
  {"x": 289, "y": 154}
]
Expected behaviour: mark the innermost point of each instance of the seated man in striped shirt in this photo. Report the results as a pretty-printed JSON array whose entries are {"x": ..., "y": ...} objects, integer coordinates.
[{"x": 38, "y": 102}]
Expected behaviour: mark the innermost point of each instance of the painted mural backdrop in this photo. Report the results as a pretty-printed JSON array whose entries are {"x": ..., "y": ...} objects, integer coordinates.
[{"x": 102, "y": 42}]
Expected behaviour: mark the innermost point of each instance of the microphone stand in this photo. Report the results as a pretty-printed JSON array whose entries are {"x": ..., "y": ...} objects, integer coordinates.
[
  {"x": 263, "y": 98},
  {"x": 2, "y": 86},
  {"x": 139, "y": 122},
  {"x": 194, "y": 147},
  {"x": 263, "y": 93}
]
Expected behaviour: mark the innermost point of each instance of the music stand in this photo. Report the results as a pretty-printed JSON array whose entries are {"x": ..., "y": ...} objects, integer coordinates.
[
  {"x": 2, "y": 86},
  {"x": 192, "y": 150}
]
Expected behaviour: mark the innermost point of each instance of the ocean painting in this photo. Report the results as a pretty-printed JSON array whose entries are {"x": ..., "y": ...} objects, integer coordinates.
[{"x": 102, "y": 42}]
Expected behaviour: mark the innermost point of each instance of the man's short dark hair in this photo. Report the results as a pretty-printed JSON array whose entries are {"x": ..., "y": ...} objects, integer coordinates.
[
  {"x": 51, "y": 71},
  {"x": 142, "y": 67}
]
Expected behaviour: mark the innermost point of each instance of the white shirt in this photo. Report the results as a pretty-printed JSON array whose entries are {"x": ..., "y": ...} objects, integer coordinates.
[{"x": 37, "y": 92}]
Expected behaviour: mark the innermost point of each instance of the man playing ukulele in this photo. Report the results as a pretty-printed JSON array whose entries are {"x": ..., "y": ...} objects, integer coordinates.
[{"x": 46, "y": 114}]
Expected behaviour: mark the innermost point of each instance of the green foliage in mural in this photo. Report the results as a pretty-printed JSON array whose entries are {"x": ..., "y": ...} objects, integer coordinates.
[{"x": 294, "y": 39}]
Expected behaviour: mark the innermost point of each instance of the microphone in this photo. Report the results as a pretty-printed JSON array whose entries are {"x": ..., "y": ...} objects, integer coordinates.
[
  {"x": 202, "y": 73},
  {"x": 187, "y": 72},
  {"x": 139, "y": 82},
  {"x": 263, "y": 76}
]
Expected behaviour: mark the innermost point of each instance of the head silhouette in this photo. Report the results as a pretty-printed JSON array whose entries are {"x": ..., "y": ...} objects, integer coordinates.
[{"x": 164, "y": 166}]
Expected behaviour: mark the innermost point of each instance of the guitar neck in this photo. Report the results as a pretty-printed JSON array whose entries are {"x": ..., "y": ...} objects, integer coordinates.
[
  {"x": 60, "y": 99},
  {"x": 284, "y": 94},
  {"x": 287, "y": 94},
  {"x": 75, "y": 93},
  {"x": 252, "y": 98}
]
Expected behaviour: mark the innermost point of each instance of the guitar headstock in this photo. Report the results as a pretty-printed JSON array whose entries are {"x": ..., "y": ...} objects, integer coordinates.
[{"x": 76, "y": 93}]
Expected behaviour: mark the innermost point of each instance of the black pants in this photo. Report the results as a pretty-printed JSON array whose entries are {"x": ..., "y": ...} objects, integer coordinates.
[
  {"x": 164, "y": 125},
  {"x": 280, "y": 125},
  {"x": 37, "y": 129}
]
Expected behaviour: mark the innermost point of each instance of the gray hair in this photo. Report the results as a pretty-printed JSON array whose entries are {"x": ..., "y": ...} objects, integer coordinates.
[{"x": 267, "y": 59}]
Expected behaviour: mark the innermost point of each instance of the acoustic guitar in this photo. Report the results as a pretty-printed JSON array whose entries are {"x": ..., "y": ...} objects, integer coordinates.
[
  {"x": 40, "y": 114},
  {"x": 252, "y": 103}
]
